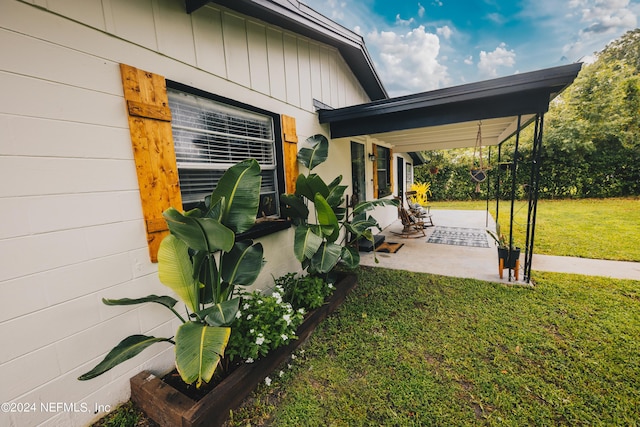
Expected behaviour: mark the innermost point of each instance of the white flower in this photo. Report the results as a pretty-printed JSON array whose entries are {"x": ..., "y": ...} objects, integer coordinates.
[
  {"x": 277, "y": 296},
  {"x": 259, "y": 301},
  {"x": 301, "y": 310},
  {"x": 267, "y": 381},
  {"x": 251, "y": 331},
  {"x": 284, "y": 337},
  {"x": 280, "y": 374},
  {"x": 260, "y": 339},
  {"x": 249, "y": 360},
  {"x": 238, "y": 314},
  {"x": 293, "y": 356},
  {"x": 289, "y": 366},
  {"x": 246, "y": 306},
  {"x": 330, "y": 286},
  {"x": 287, "y": 318},
  {"x": 249, "y": 316},
  {"x": 279, "y": 288}
]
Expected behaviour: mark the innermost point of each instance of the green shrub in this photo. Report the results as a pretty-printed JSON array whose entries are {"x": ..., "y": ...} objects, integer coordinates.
[
  {"x": 263, "y": 323},
  {"x": 308, "y": 292}
]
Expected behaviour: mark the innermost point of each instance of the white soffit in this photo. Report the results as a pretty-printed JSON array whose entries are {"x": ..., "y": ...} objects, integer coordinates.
[{"x": 457, "y": 135}]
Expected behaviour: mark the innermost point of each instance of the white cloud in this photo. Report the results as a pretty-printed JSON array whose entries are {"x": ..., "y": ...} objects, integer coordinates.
[
  {"x": 404, "y": 22},
  {"x": 421, "y": 10},
  {"x": 468, "y": 60},
  {"x": 491, "y": 61},
  {"x": 444, "y": 32},
  {"x": 408, "y": 62}
]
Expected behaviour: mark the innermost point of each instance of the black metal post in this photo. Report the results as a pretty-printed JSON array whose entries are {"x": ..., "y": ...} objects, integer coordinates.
[
  {"x": 534, "y": 189},
  {"x": 486, "y": 219},
  {"x": 498, "y": 184},
  {"x": 513, "y": 187}
]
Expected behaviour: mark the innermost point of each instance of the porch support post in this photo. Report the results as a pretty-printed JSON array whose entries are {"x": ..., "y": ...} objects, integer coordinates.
[
  {"x": 486, "y": 220},
  {"x": 534, "y": 188},
  {"x": 513, "y": 187},
  {"x": 498, "y": 183}
]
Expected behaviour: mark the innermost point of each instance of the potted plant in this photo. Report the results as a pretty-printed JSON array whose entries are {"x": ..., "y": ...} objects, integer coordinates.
[{"x": 508, "y": 255}]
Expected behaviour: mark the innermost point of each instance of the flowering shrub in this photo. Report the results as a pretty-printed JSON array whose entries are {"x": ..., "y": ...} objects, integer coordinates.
[
  {"x": 306, "y": 292},
  {"x": 263, "y": 323}
]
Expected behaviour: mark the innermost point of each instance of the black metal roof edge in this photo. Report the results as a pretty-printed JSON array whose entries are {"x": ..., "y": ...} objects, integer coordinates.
[
  {"x": 301, "y": 19},
  {"x": 554, "y": 80}
]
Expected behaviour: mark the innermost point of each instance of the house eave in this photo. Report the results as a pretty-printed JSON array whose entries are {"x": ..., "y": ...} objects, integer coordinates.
[{"x": 299, "y": 18}]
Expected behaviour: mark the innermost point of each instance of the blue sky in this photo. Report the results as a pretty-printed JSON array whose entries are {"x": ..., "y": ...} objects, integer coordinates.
[{"x": 429, "y": 44}]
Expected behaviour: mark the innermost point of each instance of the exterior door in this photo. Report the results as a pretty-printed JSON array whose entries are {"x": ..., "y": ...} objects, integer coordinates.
[{"x": 400, "y": 180}]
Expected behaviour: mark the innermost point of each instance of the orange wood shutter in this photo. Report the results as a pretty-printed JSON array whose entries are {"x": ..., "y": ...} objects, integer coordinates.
[
  {"x": 153, "y": 150},
  {"x": 290, "y": 152}
]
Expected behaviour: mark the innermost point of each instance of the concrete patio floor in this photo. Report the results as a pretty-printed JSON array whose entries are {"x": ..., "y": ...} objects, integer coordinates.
[{"x": 480, "y": 263}]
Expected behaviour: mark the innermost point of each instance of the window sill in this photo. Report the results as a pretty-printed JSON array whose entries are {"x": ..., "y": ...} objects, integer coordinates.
[{"x": 264, "y": 228}]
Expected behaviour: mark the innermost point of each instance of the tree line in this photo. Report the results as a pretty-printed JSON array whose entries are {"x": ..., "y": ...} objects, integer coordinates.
[{"x": 591, "y": 140}]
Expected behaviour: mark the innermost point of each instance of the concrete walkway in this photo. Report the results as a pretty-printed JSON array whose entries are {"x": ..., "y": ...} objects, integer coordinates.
[{"x": 480, "y": 263}]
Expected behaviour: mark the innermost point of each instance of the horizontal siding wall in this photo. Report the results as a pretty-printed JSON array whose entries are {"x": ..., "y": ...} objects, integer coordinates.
[{"x": 71, "y": 224}]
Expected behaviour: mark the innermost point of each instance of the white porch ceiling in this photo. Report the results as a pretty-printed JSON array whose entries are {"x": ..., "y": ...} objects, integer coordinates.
[{"x": 456, "y": 135}]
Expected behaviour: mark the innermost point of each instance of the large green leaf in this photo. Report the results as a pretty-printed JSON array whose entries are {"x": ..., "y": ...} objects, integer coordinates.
[
  {"x": 316, "y": 154},
  {"x": 305, "y": 243},
  {"x": 350, "y": 257},
  {"x": 293, "y": 207},
  {"x": 369, "y": 205},
  {"x": 327, "y": 217},
  {"x": 336, "y": 195},
  {"x": 309, "y": 186},
  {"x": 242, "y": 264},
  {"x": 198, "y": 351},
  {"x": 240, "y": 188},
  {"x": 206, "y": 270},
  {"x": 222, "y": 314},
  {"x": 326, "y": 257},
  {"x": 201, "y": 234},
  {"x": 165, "y": 300},
  {"x": 176, "y": 271},
  {"x": 125, "y": 350},
  {"x": 360, "y": 223}
]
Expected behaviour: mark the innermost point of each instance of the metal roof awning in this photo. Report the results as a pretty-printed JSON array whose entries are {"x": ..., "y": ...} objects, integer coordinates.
[{"x": 448, "y": 118}]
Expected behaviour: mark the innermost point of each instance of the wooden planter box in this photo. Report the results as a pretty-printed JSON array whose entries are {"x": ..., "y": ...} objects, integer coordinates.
[{"x": 171, "y": 408}]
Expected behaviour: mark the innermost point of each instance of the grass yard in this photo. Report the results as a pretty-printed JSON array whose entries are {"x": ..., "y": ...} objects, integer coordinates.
[
  {"x": 586, "y": 228},
  {"x": 417, "y": 349}
]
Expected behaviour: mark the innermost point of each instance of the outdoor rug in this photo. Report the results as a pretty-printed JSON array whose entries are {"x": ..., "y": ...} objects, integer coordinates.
[{"x": 459, "y": 236}]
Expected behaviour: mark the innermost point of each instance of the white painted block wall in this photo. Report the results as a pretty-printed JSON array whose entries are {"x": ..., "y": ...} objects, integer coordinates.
[{"x": 71, "y": 227}]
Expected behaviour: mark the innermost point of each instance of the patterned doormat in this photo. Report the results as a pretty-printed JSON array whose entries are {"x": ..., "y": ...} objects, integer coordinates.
[{"x": 459, "y": 236}]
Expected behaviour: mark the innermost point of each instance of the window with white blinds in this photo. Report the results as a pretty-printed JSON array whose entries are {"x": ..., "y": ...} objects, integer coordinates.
[{"x": 211, "y": 136}]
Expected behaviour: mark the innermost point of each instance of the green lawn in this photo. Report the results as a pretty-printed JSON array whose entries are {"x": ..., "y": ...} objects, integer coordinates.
[
  {"x": 410, "y": 349},
  {"x": 587, "y": 228}
]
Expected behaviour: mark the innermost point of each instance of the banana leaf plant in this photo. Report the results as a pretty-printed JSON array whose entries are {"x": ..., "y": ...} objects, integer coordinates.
[
  {"x": 201, "y": 262},
  {"x": 328, "y": 236}
]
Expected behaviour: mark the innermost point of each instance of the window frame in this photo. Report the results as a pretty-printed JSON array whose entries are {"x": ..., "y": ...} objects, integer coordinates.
[
  {"x": 278, "y": 140},
  {"x": 388, "y": 185}
]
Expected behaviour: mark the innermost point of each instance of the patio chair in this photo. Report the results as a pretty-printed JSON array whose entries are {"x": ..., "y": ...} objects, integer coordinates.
[
  {"x": 411, "y": 225},
  {"x": 419, "y": 211}
]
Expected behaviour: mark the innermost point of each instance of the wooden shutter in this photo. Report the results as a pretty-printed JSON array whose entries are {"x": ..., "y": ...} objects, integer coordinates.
[
  {"x": 153, "y": 150},
  {"x": 290, "y": 153}
]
